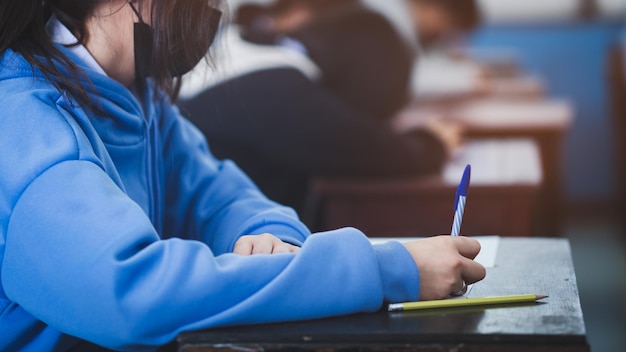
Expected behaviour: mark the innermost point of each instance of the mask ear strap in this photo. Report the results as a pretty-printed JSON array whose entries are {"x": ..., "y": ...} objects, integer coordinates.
[
  {"x": 143, "y": 49},
  {"x": 136, "y": 12}
]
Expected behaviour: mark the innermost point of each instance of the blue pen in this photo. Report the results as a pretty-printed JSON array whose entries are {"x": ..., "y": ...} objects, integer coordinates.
[{"x": 459, "y": 201}]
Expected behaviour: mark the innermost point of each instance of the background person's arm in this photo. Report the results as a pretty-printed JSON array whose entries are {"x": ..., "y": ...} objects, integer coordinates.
[{"x": 279, "y": 116}]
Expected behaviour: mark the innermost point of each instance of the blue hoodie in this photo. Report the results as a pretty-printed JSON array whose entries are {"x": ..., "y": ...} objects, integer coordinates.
[{"x": 119, "y": 229}]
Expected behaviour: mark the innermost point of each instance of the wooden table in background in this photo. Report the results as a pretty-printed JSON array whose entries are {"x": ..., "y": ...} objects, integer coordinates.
[
  {"x": 506, "y": 178},
  {"x": 520, "y": 88},
  {"x": 545, "y": 121},
  {"x": 523, "y": 265},
  {"x": 525, "y": 87}
]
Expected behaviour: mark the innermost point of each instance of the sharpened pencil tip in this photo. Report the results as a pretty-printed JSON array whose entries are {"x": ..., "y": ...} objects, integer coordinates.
[{"x": 540, "y": 297}]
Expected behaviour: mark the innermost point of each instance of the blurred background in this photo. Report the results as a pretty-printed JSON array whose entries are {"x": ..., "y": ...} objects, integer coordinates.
[
  {"x": 532, "y": 93},
  {"x": 573, "y": 46}
]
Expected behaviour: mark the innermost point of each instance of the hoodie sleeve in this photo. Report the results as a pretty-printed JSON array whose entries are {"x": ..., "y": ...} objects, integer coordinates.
[
  {"x": 83, "y": 258},
  {"x": 214, "y": 201}
]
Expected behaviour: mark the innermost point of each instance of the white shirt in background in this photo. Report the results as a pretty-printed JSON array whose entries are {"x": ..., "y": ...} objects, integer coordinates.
[{"x": 234, "y": 57}]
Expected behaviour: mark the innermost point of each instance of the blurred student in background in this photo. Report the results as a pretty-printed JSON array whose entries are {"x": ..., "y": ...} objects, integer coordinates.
[
  {"x": 434, "y": 29},
  {"x": 351, "y": 46},
  {"x": 315, "y": 102}
]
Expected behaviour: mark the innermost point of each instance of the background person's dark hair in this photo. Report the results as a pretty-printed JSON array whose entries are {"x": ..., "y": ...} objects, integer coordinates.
[
  {"x": 255, "y": 20},
  {"x": 248, "y": 13},
  {"x": 316, "y": 6},
  {"x": 363, "y": 59},
  {"x": 22, "y": 29},
  {"x": 466, "y": 14}
]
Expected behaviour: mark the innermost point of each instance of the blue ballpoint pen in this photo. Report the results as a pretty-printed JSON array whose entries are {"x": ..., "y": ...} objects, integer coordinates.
[{"x": 459, "y": 201}]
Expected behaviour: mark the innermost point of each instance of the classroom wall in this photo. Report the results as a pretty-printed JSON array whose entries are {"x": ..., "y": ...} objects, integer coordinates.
[
  {"x": 571, "y": 57},
  {"x": 541, "y": 10}
]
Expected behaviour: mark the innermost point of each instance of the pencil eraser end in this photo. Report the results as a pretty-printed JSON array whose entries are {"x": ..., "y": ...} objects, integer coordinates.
[{"x": 395, "y": 307}]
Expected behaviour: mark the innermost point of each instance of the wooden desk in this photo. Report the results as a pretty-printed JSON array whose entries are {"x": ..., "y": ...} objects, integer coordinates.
[
  {"x": 506, "y": 175},
  {"x": 546, "y": 121},
  {"x": 542, "y": 266},
  {"x": 617, "y": 83},
  {"x": 519, "y": 88}
]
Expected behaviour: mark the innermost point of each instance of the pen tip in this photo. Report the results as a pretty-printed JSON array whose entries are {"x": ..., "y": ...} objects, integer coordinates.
[{"x": 465, "y": 181}]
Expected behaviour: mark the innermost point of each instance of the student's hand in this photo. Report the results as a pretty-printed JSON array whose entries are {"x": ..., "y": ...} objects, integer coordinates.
[
  {"x": 449, "y": 133},
  {"x": 445, "y": 264},
  {"x": 263, "y": 244}
]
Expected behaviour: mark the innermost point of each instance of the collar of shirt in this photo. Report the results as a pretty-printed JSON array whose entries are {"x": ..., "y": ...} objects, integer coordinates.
[{"x": 60, "y": 34}]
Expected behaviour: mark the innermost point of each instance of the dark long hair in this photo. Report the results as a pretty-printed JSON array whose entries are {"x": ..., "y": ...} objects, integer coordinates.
[{"x": 22, "y": 29}]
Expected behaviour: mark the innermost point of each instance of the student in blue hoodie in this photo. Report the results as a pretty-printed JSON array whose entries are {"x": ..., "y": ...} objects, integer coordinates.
[{"x": 119, "y": 230}]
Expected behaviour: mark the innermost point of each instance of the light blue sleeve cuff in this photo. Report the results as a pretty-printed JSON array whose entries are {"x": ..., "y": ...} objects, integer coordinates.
[{"x": 398, "y": 271}]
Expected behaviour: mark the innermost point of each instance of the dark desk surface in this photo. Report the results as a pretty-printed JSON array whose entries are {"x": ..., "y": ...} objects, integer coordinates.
[{"x": 542, "y": 266}]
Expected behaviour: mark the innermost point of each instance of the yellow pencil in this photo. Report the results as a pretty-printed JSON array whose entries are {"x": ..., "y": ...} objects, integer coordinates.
[{"x": 463, "y": 302}]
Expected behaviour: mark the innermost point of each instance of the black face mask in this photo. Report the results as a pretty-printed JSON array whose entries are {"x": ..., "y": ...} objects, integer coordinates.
[{"x": 179, "y": 61}]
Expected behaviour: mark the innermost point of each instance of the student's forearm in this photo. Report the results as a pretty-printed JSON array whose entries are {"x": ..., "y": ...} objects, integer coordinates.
[{"x": 108, "y": 278}]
